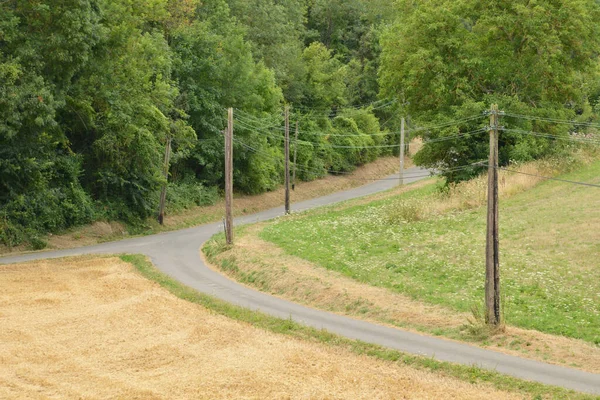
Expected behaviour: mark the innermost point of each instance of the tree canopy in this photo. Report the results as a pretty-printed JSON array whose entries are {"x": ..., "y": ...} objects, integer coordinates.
[
  {"x": 447, "y": 60},
  {"x": 91, "y": 92}
]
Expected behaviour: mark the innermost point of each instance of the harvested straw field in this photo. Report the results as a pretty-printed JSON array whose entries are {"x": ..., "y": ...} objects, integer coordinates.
[{"x": 94, "y": 328}]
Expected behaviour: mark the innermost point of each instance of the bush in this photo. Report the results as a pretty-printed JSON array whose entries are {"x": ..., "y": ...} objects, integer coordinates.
[
  {"x": 37, "y": 243},
  {"x": 42, "y": 211},
  {"x": 53, "y": 202},
  {"x": 10, "y": 235},
  {"x": 183, "y": 195}
]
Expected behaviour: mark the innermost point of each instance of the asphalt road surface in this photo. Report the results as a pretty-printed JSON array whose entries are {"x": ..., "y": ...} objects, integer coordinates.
[{"x": 177, "y": 254}]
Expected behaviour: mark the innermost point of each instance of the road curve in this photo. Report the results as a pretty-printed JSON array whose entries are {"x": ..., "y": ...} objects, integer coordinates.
[{"x": 177, "y": 254}]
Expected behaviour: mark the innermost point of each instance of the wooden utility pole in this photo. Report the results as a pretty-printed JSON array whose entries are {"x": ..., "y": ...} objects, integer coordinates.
[
  {"x": 287, "y": 159},
  {"x": 402, "y": 153},
  {"x": 295, "y": 157},
  {"x": 492, "y": 260},
  {"x": 163, "y": 191},
  {"x": 229, "y": 178}
]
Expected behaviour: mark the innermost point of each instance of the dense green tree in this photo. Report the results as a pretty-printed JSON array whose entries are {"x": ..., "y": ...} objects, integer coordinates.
[
  {"x": 43, "y": 47},
  {"x": 120, "y": 127},
  {"x": 450, "y": 59},
  {"x": 326, "y": 77},
  {"x": 216, "y": 70},
  {"x": 337, "y": 23},
  {"x": 92, "y": 88},
  {"x": 275, "y": 28}
]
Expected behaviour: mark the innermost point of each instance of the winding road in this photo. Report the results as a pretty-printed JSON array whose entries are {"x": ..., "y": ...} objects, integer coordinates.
[{"x": 177, "y": 254}]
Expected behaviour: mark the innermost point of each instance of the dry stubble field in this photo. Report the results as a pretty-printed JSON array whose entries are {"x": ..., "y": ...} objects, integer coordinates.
[{"x": 94, "y": 328}]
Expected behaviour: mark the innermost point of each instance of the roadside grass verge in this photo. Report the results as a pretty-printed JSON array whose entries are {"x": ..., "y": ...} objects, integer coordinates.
[
  {"x": 264, "y": 266},
  {"x": 549, "y": 247},
  {"x": 293, "y": 329}
]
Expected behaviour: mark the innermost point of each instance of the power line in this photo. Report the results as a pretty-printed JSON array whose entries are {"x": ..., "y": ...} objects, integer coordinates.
[
  {"x": 419, "y": 129},
  {"x": 546, "y": 135},
  {"x": 250, "y": 119},
  {"x": 383, "y": 146},
  {"x": 247, "y": 120},
  {"x": 554, "y": 120},
  {"x": 309, "y": 143},
  {"x": 417, "y": 174},
  {"x": 545, "y": 177},
  {"x": 246, "y": 124},
  {"x": 306, "y": 143},
  {"x": 383, "y": 124},
  {"x": 239, "y": 110},
  {"x": 318, "y": 171},
  {"x": 460, "y": 135},
  {"x": 441, "y": 139},
  {"x": 267, "y": 130},
  {"x": 255, "y": 124},
  {"x": 447, "y": 124}
]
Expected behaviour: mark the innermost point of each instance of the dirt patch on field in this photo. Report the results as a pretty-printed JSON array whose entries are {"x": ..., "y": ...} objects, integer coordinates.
[
  {"x": 265, "y": 266},
  {"x": 94, "y": 328}
]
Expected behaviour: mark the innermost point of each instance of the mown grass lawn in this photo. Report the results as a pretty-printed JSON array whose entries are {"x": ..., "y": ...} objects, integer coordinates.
[{"x": 550, "y": 248}]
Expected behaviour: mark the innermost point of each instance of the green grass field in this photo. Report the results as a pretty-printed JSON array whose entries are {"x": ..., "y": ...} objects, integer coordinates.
[{"x": 549, "y": 248}]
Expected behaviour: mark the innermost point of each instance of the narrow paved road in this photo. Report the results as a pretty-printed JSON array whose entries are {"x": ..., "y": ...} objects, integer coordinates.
[{"x": 177, "y": 254}]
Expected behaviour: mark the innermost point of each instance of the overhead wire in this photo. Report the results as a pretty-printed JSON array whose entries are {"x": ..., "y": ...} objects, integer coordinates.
[
  {"x": 548, "y": 177},
  {"x": 309, "y": 143},
  {"x": 440, "y": 139},
  {"x": 264, "y": 154},
  {"x": 251, "y": 119},
  {"x": 549, "y": 136},
  {"x": 553, "y": 120},
  {"x": 245, "y": 125},
  {"x": 247, "y": 121},
  {"x": 453, "y": 137},
  {"x": 447, "y": 124},
  {"x": 417, "y": 174}
]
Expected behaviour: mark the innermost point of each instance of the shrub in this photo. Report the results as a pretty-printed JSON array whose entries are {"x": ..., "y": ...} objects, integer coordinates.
[
  {"x": 44, "y": 210},
  {"x": 183, "y": 195}
]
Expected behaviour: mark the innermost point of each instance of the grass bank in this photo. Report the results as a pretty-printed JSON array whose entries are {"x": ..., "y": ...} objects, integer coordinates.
[
  {"x": 415, "y": 259},
  {"x": 549, "y": 247}
]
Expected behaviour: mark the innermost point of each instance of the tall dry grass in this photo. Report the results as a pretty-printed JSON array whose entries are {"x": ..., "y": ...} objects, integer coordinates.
[{"x": 473, "y": 193}]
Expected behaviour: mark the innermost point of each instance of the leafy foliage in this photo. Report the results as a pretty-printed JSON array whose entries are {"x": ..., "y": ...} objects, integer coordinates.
[
  {"x": 450, "y": 59},
  {"x": 91, "y": 91}
]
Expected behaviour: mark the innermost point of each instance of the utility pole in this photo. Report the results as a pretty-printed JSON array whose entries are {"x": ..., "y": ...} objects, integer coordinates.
[
  {"x": 163, "y": 191},
  {"x": 287, "y": 160},
  {"x": 295, "y": 157},
  {"x": 492, "y": 260},
  {"x": 229, "y": 178},
  {"x": 402, "y": 152}
]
